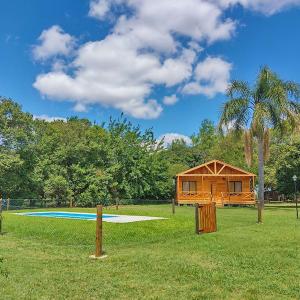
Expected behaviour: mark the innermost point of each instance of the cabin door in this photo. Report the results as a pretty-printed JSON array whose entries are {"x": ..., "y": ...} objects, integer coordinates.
[{"x": 213, "y": 189}]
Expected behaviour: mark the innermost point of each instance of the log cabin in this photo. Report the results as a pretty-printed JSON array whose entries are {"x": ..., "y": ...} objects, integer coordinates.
[{"x": 215, "y": 181}]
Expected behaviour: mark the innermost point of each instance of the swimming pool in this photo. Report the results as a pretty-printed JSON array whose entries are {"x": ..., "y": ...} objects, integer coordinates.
[
  {"x": 66, "y": 215},
  {"x": 88, "y": 216}
]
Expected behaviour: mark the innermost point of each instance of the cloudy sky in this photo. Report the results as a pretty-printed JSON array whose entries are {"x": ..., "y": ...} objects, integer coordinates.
[{"x": 165, "y": 64}]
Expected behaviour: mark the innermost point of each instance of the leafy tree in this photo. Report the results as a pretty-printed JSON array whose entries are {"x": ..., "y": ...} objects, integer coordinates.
[
  {"x": 230, "y": 148},
  {"x": 181, "y": 153},
  {"x": 133, "y": 162},
  {"x": 57, "y": 188},
  {"x": 205, "y": 141},
  {"x": 15, "y": 125},
  {"x": 15, "y": 137},
  {"x": 10, "y": 168},
  {"x": 255, "y": 110},
  {"x": 287, "y": 165},
  {"x": 97, "y": 191}
]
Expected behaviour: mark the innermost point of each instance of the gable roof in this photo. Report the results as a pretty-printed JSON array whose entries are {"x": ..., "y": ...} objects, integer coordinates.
[{"x": 216, "y": 168}]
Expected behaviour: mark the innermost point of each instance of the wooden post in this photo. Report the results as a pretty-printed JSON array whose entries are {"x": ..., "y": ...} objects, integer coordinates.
[
  {"x": 99, "y": 251},
  {"x": 7, "y": 203},
  {"x": 228, "y": 188},
  {"x": 117, "y": 203},
  {"x": 197, "y": 218},
  {"x": 175, "y": 194},
  {"x": 99, "y": 232},
  {"x": 1, "y": 216},
  {"x": 173, "y": 206},
  {"x": 297, "y": 213}
]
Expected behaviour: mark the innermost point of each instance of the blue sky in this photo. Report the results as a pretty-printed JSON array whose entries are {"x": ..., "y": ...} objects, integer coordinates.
[{"x": 97, "y": 58}]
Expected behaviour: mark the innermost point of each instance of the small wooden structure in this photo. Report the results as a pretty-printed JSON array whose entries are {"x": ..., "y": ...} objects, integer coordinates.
[
  {"x": 215, "y": 181},
  {"x": 206, "y": 218}
]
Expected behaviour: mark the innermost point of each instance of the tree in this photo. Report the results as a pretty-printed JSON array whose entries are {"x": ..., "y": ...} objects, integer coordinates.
[
  {"x": 15, "y": 125},
  {"x": 10, "y": 179},
  {"x": 205, "y": 141},
  {"x": 134, "y": 162},
  {"x": 230, "y": 148},
  {"x": 271, "y": 103},
  {"x": 15, "y": 140},
  {"x": 179, "y": 152},
  {"x": 287, "y": 166},
  {"x": 57, "y": 188}
]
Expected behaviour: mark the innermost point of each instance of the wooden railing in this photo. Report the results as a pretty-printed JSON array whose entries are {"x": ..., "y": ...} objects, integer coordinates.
[
  {"x": 196, "y": 195},
  {"x": 243, "y": 195},
  {"x": 220, "y": 198}
]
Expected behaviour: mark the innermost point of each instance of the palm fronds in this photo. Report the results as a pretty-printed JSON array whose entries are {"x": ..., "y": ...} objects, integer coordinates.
[{"x": 235, "y": 112}]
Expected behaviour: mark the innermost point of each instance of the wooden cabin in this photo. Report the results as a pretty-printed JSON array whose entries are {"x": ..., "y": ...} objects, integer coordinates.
[{"x": 215, "y": 181}]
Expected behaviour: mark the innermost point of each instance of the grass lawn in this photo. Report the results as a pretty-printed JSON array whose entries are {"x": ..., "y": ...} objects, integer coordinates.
[{"x": 44, "y": 258}]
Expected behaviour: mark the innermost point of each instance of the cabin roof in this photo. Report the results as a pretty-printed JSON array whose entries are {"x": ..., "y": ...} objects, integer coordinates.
[{"x": 213, "y": 171}]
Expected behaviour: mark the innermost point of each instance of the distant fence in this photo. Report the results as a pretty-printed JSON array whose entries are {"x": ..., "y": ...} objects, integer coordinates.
[{"x": 16, "y": 204}]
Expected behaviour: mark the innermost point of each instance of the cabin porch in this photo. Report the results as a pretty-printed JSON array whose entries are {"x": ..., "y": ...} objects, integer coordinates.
[{"x": 221, "y": 199}]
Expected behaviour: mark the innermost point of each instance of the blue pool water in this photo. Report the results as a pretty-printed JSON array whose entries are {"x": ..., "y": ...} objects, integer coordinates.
[{"x": 66, "y": 215}]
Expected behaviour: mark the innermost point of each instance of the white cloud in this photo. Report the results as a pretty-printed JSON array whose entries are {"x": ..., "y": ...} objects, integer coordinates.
[
  {"x": 52, "y": 42},
  {"x": 197, "y": 19},
  {"x": 267, "y": 7},
  {"x": 211, "y": 77},
  {"x": 192, "y": 88},
  {"x": 170, "y": 100},
  {"x": 99, "y": 8},
  {"x": 80, "y": 107},
  {"x": 144, "y": 49},
  {"x": 140, "y": 53},
  {"x": 169, "y": 138},
  {"x": 270, "y": 7},
  {"x": 49, "y": 119}
]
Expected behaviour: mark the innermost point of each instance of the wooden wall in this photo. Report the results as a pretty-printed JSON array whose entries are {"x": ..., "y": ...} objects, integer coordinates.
[{"x": 219, "y": 183}]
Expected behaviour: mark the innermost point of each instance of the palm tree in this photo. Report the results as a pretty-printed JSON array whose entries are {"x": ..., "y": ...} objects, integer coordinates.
[{"x": 270, "y": 103}]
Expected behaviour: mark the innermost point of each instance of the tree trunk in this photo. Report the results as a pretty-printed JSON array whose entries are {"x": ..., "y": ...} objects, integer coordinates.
[{"x": 261, "y": 179}]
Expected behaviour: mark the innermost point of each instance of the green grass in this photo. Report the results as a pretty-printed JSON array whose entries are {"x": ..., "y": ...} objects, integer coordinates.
[{"x": 44, "y": 258}]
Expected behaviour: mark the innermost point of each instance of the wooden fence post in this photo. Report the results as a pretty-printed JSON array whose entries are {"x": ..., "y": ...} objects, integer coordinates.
[
  {"x": 1, "y": 216},
  {"x": 174, "y": 199},
  {"x": 173, "y": 206},
  {"x": 117, "y": 203},
  {"x": 99, "y": 251},
  {"x": 197, "y": 218},
  {"x": 99, "y": 232},
  {"x": 7, "y": 203}
]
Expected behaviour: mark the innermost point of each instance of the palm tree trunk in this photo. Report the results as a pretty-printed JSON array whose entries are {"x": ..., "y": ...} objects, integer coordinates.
[{"x": 261, "y": 179}]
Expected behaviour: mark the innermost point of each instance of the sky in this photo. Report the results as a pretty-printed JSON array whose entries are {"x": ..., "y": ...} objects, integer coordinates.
[{"x": 165, "y": 64}]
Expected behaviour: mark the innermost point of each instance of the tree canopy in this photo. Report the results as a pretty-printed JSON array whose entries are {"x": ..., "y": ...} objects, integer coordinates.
[{"x": 88, "y": 163}]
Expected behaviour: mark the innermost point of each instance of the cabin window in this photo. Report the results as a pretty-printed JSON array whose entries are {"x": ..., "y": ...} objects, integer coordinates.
[
  {"x": 189, "y": 187},
  {"x": 235, "y": 186}
]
